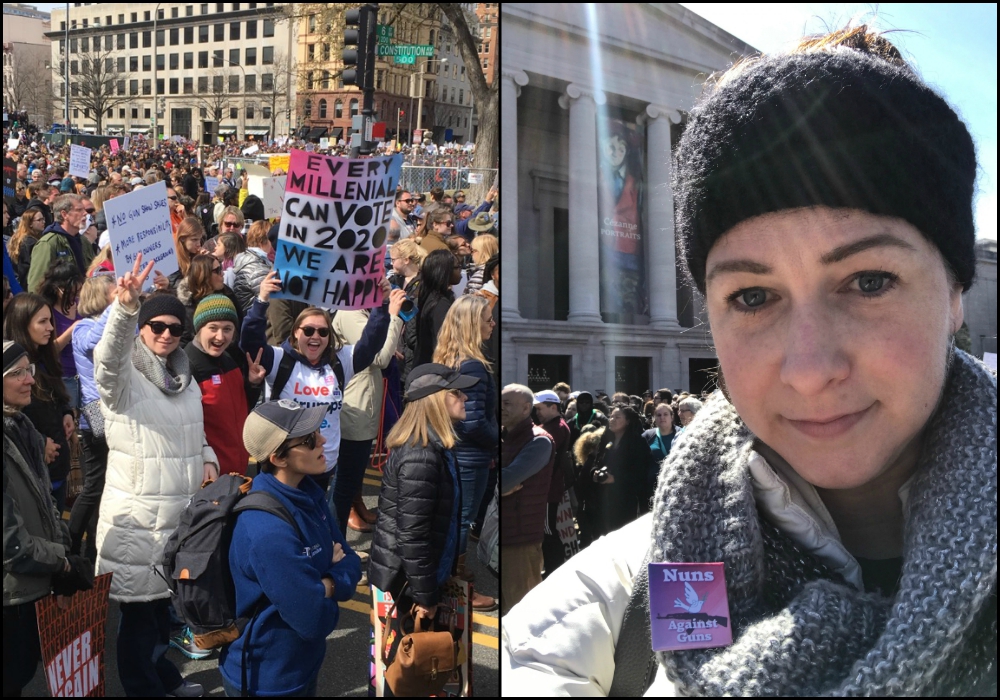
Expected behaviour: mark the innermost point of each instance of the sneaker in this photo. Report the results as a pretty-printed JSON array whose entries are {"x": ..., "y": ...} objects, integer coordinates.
[
  {"x": 183, "y": 641},
  {"x": 187, "y": 689},
  {"x": 364, "y": 556}
]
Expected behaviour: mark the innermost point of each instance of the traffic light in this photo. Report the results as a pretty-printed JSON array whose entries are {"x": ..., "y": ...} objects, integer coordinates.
[
  {"x": 360, "y": 32},
  {"x": 209, "y": 133}
]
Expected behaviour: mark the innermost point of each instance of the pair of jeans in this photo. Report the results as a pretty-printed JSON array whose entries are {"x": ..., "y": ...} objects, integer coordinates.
[
  {"x": 474, "y": 481},
  {"x": 143, "y": 639},
  {"x": 351, "y": 466},
  {"x": 83, "y": 517}
]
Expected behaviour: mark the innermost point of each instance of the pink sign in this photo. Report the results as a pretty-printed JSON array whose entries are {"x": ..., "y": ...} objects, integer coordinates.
[
  {"x": 688, "y": 606},
  {"x": 114, "y": 145}
]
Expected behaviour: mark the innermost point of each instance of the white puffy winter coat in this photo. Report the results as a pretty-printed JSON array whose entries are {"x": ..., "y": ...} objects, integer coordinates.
[{"x": 157, "y": 453}]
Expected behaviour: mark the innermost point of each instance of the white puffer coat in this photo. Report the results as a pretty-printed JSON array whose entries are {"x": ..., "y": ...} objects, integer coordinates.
[{"x": 157, "y": 453}]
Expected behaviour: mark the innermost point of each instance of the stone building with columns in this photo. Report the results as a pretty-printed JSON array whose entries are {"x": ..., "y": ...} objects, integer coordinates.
[{"x": 567, "y": 73}]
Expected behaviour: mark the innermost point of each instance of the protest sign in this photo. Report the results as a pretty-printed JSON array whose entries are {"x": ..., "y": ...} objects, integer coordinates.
[
  {"x": 279, "y": 161},
  {"x": 79, "y": 160},
  {"x": 12, "y": 143},
  {"x": 274, "y": 195},
  {"x": 475, "y": 178},
  {"x": 334, "y": 224},
  {"x": 990, "y": 358},
  {"x": 250, "y": 151},
  {"x": 139, "y": 222},
  {"x": 255, "y": 180},
  {"x": 9, "y": 177},
  {"x": 72, "y": 641},
  {"x": 125, "y": 143},
  {"x": 114, "y": 145},
  {"x": 324, "y": 143},
  {"x": 210, "y": 184}
]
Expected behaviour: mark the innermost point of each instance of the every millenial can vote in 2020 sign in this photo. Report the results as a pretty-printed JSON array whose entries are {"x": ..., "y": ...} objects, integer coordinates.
[
  {"x": 334, "y": 225},
  {"x": 139, "y": 222}
]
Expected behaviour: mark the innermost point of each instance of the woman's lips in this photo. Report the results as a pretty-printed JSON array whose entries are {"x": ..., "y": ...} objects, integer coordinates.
[{"x": 829, "y": 429}]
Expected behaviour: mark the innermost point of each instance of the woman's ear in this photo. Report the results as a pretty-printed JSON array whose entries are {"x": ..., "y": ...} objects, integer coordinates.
[{"x": 278, "y": 462}]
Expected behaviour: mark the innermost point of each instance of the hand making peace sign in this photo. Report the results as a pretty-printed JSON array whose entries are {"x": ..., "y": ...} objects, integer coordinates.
[{"x": 130, "y": 286}]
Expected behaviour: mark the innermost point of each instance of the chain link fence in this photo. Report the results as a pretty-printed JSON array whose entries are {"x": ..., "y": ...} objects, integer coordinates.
[{"x": 418, "y": 178}]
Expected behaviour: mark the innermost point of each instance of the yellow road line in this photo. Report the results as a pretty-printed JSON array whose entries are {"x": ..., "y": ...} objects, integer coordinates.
[
  {"x": 357, "y": 606},
  {"x": 485, "y": 620},
  {"x": 372, "y": 482},
  {"x": 373, "y": 472},
  {"x": 485, "y": 640}
]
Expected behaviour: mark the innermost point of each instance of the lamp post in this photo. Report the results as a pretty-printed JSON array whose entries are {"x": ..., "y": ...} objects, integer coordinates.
[
  {"x": 242, "y": 70},
  {"x": 66, "y": 128},
  {"x": 156, "y": 106},
  {"x": 420, "y": 97}
]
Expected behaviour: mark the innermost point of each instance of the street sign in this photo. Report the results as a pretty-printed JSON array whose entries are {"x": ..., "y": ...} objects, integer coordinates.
[
  {"x": 385, "y": 31},
  {"x": 404, "y": 59},
  {"x": 405, "y": 50}
]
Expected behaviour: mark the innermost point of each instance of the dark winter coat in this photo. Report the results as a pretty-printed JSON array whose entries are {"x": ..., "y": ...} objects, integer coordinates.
[
  {"x": 478, "y": 433},
  {"x": 429, "y": 324}
]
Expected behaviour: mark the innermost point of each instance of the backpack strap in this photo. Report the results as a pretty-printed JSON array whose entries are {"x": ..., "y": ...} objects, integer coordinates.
[
  {"x": 287, "y": 364},
  {"x": 635, "y": 662},
  {"x": 261, "y": 500}
]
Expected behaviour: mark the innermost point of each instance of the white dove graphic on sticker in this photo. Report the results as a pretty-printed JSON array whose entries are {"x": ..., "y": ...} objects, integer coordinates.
[{"x": 694, "y": 603}]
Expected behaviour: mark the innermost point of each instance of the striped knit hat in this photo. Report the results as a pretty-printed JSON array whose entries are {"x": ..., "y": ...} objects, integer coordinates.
[{"x": 214, "y": 307}]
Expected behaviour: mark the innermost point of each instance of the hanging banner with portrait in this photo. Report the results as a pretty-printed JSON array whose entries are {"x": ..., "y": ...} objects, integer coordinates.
[{"x": 621, "y": 189}]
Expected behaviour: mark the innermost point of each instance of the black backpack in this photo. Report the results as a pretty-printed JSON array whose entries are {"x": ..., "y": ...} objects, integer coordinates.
[{"x": 196, "y": 558}]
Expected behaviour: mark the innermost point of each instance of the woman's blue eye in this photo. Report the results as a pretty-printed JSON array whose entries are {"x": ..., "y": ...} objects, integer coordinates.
[
  {"x": 754, "y": 297},
  {"x": 871, "y": 282}
]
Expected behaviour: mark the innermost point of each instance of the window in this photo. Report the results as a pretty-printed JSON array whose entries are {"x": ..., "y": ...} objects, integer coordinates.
[
  {"x": 109, "y": 65},
  {"x": 251, "y": 29},
  {"x": 266, "y": 112},
  {"x": 486, "y": 63},
  {"x": 322, "y": 109},
  {"x": 85, "y": 44},
  {"x": 307, "y": 109},
  {"x": 146, "y": 113},
  {"x": 251, "y": 57},
  {"x": 174, "y": 61},
  {"x": 108, "y": 41},
  {"x": 220, "y": 7},
  {"x": 188, "y": 60},
  {"x": 217, "y": 61},
  {"x": 202, "y": 84},
  {"x": 250, "y": 109},
  {"x": 325, "y": 51},
  {"x": 251, "y": 83},
  {"x": 173, "y": 11},
  {"x": 311, "y": 52},
  {"x": 173, "y": 86},
  {"x": 234, "y": 83},
  {"x": 74, "y": 67},
  {"x": 217, "y": 86},
  {"x": 268, "y": 56},
  {"x": 175, "y": 36},
  {"x": 159, "y": 86},
  {"x": 147, "y": 88},
  {"x": 378, "y": 79},
  {"x": 354, "y": 108},
  {"x": 135, "y": 112},
  {"x": 461, "y": 97},
  {"x": 73, "y": 46},
  {"x": 188, "y": 35},
  {"x": 234, "y": 57},
  {"x": 76, "y": 112},
  {"x": 120, "y": 64},
  {"x": 133, "y": 87},
  {"x": 486, "y": 33},
  {"x": 220, "y": 32},
  {"x": 325, "y": 84},
  {"x": 268, "y": 27},
  {"x": 120, "y": 41},
  {"x": 160, "y": 61},
  {"x": 203, "y": 34},
  {"x": 133, "y": 63},
  {"x": 161, "y": 37},
  {"x": 267, "y": 82},
  {"x": 147, "y": 63},
  {"x": 234, "y": 31},
  {"x": 203, "y": 59},
  {"x": 236, "y": 7},
  {"x": 120, "y": 88},
  {"x": 188, "y": 86},
  {"x": 338, "y": 109},
  {"x": 121, "y": 19},
  {"x": 135, "y": 17},
  {"x": 312, "y": 24},
  {"x": 233, "y": 113},
  {"x": 147, "y": 39},
  {"x": 204, "y": 9},
  {"x": 203, "y": 113}
]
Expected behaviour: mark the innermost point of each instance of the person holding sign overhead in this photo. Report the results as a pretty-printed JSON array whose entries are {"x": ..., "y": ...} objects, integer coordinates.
[{"x": 313, "y": 366}]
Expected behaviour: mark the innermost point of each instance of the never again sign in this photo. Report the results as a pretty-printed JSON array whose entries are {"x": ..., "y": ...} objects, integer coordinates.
[{"x": 334, "y": 224}]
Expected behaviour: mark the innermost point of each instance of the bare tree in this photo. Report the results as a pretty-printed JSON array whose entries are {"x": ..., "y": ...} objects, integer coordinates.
[
  {"x": 99, "y": 87},
  {"x": 274, "y": 95},
  {"x": 218, "y": 98},
  {"x": 29, "y": 86}
]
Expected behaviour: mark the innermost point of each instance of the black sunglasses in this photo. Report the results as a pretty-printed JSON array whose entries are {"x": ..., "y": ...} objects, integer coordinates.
[
  {"x": 406, "y": 200},
  {"x": 217, "y": 270},
  {"x": 91, "y": 211},
  {"x": 172, "y": 198},
  {"x": 176, "y": 329},
  {"x": 308, "y": 331},
  {"x": 309, "y": 443}
]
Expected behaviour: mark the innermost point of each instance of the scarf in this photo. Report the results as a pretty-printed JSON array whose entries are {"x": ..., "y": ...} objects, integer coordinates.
[
  {"x": 171, "y": 376},
  {"x": 798, "y": 628}
]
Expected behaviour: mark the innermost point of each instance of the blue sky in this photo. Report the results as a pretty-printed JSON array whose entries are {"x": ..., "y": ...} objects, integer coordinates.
[{"x": 953, "y": 47}]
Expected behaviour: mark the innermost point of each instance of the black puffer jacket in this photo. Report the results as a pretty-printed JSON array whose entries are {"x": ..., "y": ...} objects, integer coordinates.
[{"x": 417, "y": 525}]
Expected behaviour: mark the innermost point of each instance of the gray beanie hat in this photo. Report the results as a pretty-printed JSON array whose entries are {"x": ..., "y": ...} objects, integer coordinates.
[{"x": 12, "y": 352}]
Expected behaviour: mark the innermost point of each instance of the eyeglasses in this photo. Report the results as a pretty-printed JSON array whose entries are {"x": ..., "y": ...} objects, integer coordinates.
[
  {"x": 308, "y": 331},
  {"x": 309, "y": 443},
  {"x": 21, "y": 373},
  {"x": 231, "y": 224},
  {"x": 91, "y": 211},
  {"x": 217, "y": 270},
  {"x": 173, "y": 199},
  {"x": 158, "y": 327}
]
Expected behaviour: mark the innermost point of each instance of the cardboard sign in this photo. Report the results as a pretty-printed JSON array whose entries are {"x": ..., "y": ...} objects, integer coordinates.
[
  {"x": 79, "y": 161},
  {"x": 255, "y": 182},
  {"x": 274, "y": 195},
  {"x": 279, "y": 161},
  {"x": 250, "y": 151},
  {"x": 334, "y": 224},
  {"x": 114, "y": 145},
  {"x": 73, "y": 641},
  {"x": 688, "y": 606},
  {"x": 210, "y": 184},
  {"x": 324, "y": 143},
  {"x": 139, "y": 222},
  {"x": 12, "y": 143}
]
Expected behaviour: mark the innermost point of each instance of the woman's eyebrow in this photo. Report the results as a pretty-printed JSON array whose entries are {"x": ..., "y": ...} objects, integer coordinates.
[{"x": 836, "y": 255}]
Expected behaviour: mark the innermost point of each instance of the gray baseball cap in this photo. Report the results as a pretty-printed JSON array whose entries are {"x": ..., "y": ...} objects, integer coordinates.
[
  {"x": 273, "y": 422},
  {"x": 431, "y": 378}
]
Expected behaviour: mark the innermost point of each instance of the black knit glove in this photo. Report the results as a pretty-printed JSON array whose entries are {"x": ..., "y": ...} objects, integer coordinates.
[{"x": 80, "y": 577}]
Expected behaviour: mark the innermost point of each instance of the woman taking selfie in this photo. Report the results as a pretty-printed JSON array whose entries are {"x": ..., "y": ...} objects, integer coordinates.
[{"x": 845, "y": 474}]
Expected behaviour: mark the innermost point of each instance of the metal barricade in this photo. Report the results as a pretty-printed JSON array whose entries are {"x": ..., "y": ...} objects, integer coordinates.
[{"x": 421, "y": 178}]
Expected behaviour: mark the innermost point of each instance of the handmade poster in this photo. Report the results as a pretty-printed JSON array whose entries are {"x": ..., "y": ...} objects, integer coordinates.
[
  {"x": 456, "y": 596},
  {"x": 334, "y": 224},
  {"x": 72, "y": 641},
  {"x": 688, "y": 606},
  {"x": 210, "y": 184},
  {"x": 114, "y": 145},
  {"x": 324, "y": 143},
  {"x": 9, "y": 178},
  {"x": 255, "y": 182},
  {"x": 251, "y": 150},
  {"x": 79, "y": 161},
  {"x": 621, "y": 187},
  {"x": 274, "y": 195},
  {"x": 12, "y": 143},
  {"x": 279, "y": 161},
  {"x": 139, "y": 222}
]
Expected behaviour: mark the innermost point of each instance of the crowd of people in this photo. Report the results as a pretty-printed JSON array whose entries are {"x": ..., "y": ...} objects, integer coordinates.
[
  {"x": 205, "y": 373},
  {"x": 601, "y": 453}
]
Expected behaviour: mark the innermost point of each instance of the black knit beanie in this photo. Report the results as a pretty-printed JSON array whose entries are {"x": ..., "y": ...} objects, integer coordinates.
[
  {"x": 843, "y": 129},
  {"x": 161, "y": 305}
]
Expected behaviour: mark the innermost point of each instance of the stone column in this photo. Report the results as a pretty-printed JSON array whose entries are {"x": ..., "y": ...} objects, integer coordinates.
[
  {"x": 584, "y": 233},
  {"x": 511, "y": 82},
  {"x": 662, "y": 260}
]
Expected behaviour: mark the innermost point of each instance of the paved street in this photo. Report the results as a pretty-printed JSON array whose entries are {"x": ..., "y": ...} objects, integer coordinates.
[{"x": 346, "y": 667}]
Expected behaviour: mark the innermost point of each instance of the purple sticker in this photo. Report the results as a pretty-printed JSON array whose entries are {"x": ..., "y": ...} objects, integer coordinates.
[{"x": 688, "y": 606}]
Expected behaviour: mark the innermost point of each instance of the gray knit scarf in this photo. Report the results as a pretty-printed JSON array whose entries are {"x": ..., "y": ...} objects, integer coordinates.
[
  {"x": 798, "y": 629},
  {"x": 172, "y": 377}
]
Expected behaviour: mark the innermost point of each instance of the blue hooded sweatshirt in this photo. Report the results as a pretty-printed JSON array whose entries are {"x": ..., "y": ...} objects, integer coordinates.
[{"x": 267, "y": 558}]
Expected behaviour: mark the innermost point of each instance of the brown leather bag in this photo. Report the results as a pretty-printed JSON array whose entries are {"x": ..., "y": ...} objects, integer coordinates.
[{"x": 424, "y": 660}]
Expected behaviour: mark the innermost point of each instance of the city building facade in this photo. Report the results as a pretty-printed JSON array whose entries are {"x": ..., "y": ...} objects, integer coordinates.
[
  {"x": 980, "y": 303},
  {"x": 175, "y": 66},
  {"x": 577, "y": 87},
  {"x": 455, "y": 111},
  {"x": 27, "y": 78}
]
